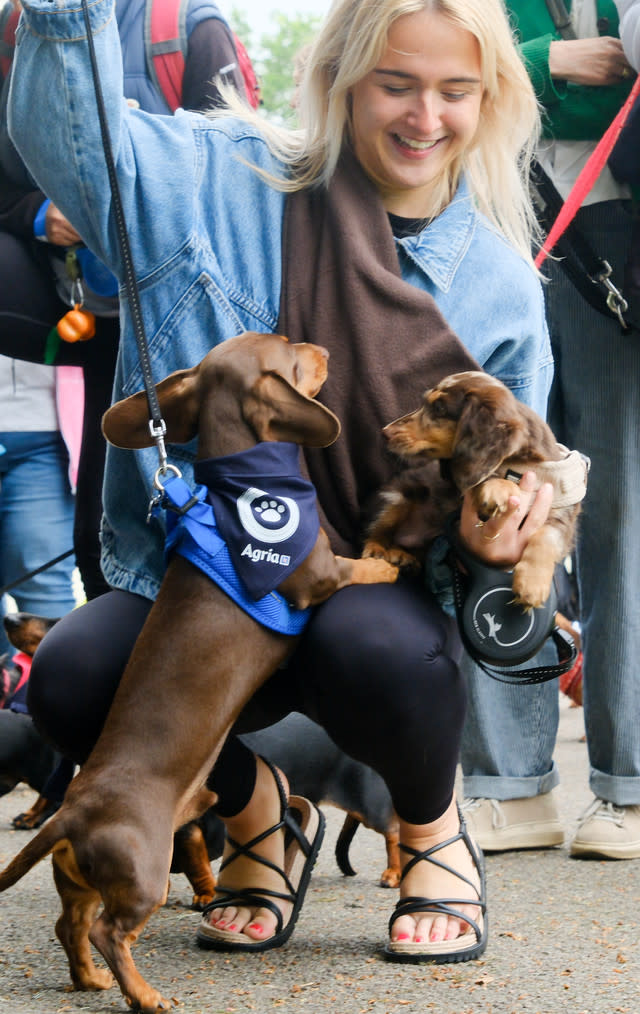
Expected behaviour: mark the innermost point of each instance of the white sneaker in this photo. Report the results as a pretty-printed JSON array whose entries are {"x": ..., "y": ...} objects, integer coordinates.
[
  {"x": 609, "y": 831},
  {"x": 501, "y": 825}
]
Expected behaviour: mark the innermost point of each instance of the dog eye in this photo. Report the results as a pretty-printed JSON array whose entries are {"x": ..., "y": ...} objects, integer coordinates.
[{"x": 438, "y": 408}]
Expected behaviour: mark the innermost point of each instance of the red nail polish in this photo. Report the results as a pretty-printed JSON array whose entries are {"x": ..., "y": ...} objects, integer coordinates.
[
  {"x": 256, "y": 927},
  {"x": 402, "y": 936}
]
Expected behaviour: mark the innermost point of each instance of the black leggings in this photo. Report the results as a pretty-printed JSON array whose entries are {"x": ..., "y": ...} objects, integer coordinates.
[
  {"x": 375, "y": 667},
  {"x": 29, "y": 308}
]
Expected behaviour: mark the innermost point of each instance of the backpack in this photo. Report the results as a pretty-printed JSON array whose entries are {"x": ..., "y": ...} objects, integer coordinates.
[
  {"x": 165, "y": 45},
  {"x": 166, "y": 48}
]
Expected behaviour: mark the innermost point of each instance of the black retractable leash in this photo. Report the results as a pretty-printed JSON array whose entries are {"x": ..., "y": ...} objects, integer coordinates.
[
  {"x": 157, "y": 426},
  {"x": 497, "y": 633}
]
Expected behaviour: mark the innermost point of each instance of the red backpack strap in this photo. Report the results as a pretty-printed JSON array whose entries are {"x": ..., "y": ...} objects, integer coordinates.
[
  {"x": 165, "y": 38},
  {"x": 251, "y": 84},
  {"x": 9, "y": 18}
]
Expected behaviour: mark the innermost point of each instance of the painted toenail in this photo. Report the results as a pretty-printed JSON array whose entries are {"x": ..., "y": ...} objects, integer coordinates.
[
  {"x": 403, "y": 936},
  {"x": 256, "y": 927},
  {"x": 232, "y": 927}
]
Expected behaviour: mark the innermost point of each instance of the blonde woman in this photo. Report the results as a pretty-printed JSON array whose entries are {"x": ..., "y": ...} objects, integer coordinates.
[{"x": 394, "y": 228}]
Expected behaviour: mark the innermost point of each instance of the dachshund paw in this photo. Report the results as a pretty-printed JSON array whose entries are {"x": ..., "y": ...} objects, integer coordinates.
[
  {"x": 377, "y": 572},
  {"x": 200, "y": 901},
  {"x": 491, "y": 498},
  {"x": 392, "y": 554},
  {"x": 390, "y": 877},
  {"x": 531, "y": 584},
  {"x": 90, "y": 979}
]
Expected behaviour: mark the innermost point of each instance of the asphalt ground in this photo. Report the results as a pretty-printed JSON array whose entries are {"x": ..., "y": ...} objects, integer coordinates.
[{"x": 564, "y": 936}]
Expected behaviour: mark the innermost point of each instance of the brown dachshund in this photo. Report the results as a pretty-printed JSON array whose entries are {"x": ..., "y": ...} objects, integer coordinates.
[
  {"x": 488, "y": 439},
  {"x": 110, "y": 842}
]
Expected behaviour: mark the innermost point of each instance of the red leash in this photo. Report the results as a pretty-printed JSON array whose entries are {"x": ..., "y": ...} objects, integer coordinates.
[{"x": 592, "y": 169}]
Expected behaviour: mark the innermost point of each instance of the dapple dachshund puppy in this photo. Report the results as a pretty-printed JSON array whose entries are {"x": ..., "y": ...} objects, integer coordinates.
[
  {"x": 112, "y": 842},
  {"x": 487, "y": 439}
]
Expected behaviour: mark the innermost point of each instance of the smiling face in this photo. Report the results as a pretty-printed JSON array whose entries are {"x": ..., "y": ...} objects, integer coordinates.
[{"x": 417, "y": 111}]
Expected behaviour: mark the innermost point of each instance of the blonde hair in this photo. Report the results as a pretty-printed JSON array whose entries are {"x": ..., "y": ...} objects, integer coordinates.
[{"x": 351, "y": 42}]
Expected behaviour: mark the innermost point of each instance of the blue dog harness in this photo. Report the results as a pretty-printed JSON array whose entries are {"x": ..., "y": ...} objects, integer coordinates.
[{"x": 270, "y": 530}]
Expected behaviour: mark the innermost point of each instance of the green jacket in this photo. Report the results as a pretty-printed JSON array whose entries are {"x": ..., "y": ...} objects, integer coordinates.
[{"x": 571, "y": 112}]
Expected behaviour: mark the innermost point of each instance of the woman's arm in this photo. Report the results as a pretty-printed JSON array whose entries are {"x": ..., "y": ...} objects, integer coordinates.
[
  {"x": 154, "y": 155},
  {"x": 579, "y": 82}
]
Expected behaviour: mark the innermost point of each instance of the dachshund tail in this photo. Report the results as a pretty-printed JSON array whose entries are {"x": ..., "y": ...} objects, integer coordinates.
[
  {"x": 35, "y": 850},
  {"x": 343, "y": 843}
]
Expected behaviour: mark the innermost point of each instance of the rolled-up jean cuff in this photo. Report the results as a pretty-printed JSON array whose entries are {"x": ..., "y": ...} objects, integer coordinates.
[
  {"x": 500, "y": 787},
  {"x": 617, "y": 789}
]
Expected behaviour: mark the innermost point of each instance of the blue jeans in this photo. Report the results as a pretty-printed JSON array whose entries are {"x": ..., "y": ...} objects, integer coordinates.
[
  {"x": 595, "y": 407},
  {"x": 36, "y": 523}
]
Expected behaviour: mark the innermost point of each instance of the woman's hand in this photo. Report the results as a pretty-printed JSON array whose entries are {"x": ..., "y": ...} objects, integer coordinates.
[
  {"x": 59, "y": 229},
  {"x": 599, "y": 61},
  {"x": 500, "y": 542}
]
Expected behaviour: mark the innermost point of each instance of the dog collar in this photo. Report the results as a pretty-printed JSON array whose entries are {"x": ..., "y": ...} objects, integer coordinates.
[
  {"x": 193, "y": 533},
  {"x": 568, "y": 476}
]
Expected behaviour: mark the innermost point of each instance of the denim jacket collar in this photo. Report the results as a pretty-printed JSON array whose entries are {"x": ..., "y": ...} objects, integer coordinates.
[{"x": 440, "y": 248}]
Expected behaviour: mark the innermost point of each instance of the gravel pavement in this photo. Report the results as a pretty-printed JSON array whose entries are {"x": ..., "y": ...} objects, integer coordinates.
[{"x": 564, "y": 936}]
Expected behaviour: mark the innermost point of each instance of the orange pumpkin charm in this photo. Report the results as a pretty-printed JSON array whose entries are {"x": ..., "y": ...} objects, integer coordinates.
[{"x": 78, "y": 325}]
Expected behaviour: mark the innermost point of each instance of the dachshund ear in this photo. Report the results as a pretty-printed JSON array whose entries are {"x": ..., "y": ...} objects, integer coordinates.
[
  {"x": 276, "y": 411},
  {"x": 485, "y": 436},
  {"x": 126, "y": 424}
]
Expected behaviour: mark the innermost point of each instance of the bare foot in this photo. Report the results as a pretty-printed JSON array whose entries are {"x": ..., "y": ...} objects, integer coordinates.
[
  {"x": 261, "y": 813},
  {"x": 429, "y": 880}
]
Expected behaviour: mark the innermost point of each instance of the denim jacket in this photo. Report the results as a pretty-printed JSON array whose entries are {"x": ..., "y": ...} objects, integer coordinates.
[{"x": 205, "y": 234}]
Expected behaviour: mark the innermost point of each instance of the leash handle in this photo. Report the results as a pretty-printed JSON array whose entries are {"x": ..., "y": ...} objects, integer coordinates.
[
  {"x": 565, "y": 646},
  {"x": 157, "y": 426}
]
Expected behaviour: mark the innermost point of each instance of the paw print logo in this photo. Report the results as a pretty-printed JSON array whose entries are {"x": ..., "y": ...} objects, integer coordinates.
[
  {"x": 266, "y": 517},
  {"x": 271, "y": 511}
]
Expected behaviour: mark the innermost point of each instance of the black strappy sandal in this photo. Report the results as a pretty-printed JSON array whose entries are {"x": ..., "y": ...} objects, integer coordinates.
[
  {"x": 304, "y": 825},
  {"x": 468, "y": 945}
]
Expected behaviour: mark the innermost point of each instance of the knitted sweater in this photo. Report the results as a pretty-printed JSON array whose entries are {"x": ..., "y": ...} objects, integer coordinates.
[{"x": 571, "y": 112}]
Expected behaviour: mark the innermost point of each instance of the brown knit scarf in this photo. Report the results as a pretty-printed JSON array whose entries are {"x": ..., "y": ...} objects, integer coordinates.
[{"x": 388, "y": 342}]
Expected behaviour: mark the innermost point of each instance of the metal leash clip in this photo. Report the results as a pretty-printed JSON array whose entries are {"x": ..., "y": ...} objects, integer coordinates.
[{"x": 615, "y": 300}]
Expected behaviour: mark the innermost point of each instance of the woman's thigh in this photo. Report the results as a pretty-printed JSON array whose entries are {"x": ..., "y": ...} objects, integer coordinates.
[
  {"x": 77, "y": 669},
  {"x": 377, "y": 669}
]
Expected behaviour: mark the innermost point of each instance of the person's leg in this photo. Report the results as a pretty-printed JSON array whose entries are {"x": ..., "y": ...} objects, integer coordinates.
[
  {"x": 36, "y": 522},
  {"x": 596, "y": 408},
  {"x": 376, "y": 669},
  {"x": 77, "y": 668},
  {"x": 98, "y": 369},
  {"x": 29, "y": 308}
]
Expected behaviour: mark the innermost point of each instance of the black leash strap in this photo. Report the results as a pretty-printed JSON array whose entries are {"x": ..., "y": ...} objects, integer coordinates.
[
  {"x": 588, "y": 272},
  {"x": 157, "y": 426},
  {"x": 561, "y": 18},
  {"x": 38, "y": 570}
]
